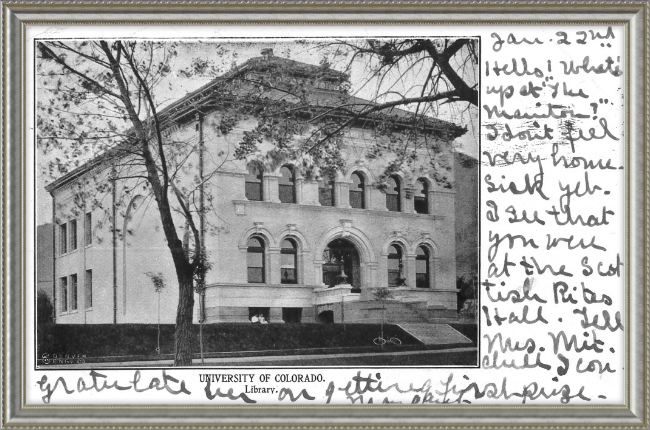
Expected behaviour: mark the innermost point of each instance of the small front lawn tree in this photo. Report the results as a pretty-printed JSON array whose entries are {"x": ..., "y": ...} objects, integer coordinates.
[
  {"x": 158, "y": 281},
  {"x": 382, "y": 294}
]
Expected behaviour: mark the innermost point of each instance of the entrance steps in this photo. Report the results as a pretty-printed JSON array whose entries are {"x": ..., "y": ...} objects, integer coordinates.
[
  {"x": 398, "y": 311},
  {"x": 395, "y": 312},
  {"x": 435, "y": 334}
]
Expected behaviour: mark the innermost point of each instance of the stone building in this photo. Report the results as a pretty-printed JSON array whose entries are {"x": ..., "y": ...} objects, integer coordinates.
[{"x": 284, "y": 244}]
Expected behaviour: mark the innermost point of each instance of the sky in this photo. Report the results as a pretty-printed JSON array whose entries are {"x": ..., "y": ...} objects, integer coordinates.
[{"x": 222, "y": 55}]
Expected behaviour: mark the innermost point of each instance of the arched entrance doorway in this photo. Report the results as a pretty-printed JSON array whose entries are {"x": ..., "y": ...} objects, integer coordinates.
[{"x": 341, "y": 264}]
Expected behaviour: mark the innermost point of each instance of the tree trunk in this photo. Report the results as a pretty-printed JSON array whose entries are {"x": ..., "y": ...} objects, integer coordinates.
[
  {"x": 184, "y": 313},
  {"x": 158, "y": 349}
]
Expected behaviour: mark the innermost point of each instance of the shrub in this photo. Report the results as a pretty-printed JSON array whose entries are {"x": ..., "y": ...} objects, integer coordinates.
[
  {"x": 106, "y": 340},
  {"x": 44, "y": 309}
]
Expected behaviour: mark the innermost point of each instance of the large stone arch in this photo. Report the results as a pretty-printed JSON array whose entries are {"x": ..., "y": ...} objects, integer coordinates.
[
  {"x": 367, "y": 254},
  {"x": 354, "y": 235}
]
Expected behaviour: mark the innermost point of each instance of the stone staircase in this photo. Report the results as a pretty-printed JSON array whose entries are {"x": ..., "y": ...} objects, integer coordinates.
[
  {"x": 435, "y": 334},
  {"x": 400, "y": 310},
  {"x": 429, "y": 325}
]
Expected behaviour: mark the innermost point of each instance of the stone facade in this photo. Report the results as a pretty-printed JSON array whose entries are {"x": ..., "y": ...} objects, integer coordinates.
[{"x": 103, "y": 276}]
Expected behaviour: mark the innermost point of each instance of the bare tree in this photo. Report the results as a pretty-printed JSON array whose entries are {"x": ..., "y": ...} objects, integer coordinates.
[
  {"x": 450, "y": 65},
  {"x": 102, "y": 101}
]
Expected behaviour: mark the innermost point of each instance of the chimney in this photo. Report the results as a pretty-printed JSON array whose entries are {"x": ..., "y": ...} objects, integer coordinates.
[{"x": 267, "y": 53}]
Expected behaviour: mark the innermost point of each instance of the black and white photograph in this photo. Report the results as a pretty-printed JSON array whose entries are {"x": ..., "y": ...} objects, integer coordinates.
[{"x": 255, "y": 202}]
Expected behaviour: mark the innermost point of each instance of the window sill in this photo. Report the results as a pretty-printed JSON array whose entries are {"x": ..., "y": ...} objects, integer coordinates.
[
  {"x": 68, "y": 253},
  {"x": 69, "y": 313},
  {"x": 257, "y": 285}
]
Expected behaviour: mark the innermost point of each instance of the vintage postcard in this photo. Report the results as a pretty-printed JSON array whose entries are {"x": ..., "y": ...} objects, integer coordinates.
[{"x": 327, "y": 215}]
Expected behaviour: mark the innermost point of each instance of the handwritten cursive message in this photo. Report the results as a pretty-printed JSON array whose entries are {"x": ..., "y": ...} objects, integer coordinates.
[{"x": 552, "y": 209}]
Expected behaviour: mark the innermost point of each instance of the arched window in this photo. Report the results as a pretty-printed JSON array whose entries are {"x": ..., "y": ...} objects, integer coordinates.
[
  {"x": 395, "y": 266},
  {"x": 422, "y": 271},
  {"x": 288, "y": 262},
  {"x": 326, "y": 191},
  {"x": 255, "y": 260},
  {"x": 393, "y": 194},
  {"x": 254, "y": 183},
  {"x": 357, "y": 191},
  {"x": 421, "y": 197},
  {"x": 287, "y": 185}
]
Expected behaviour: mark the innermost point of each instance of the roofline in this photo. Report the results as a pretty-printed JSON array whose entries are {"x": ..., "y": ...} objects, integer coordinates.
[
  {"x": 79, "y": 171},
  {"x": 167, "y": 110}
]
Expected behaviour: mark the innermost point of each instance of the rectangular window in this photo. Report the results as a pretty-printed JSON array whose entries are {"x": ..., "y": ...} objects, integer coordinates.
[
  {"x": 73, "y": 234},
  {"x": 255, "y": 275},
  {"x": 288, "y": 268},
  {"x": 356, "y": 199},
  {"x": 421, "y": 273},
  {"x": 288, "y": 276},
  {"x": 292, "y": 315},
  {"x": 392, "y": 202},
  {"x": 255, "y": 262},
  {"x": 393, "y": 272},
  {"x": 89, "y": 289},
  {"x": 63, "y": 239},
  {"x": 259, "y": 315},
  {"x": 63, "y": 283},
  {"x": 420, "y": 204},
  {"x": 393, "y": 278},
  {"x": 286, "y": 194},
  {"x": 326, "y": 196},
  {"x": 254, "y": 191},
  {"x": 88, "y": 229},
  {"x": 421, "y": 280},
  {"x": 73, "y": 292}
]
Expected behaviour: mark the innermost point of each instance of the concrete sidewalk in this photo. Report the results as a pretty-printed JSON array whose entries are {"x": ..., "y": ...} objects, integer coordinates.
[{"x": 257, "y": 361}]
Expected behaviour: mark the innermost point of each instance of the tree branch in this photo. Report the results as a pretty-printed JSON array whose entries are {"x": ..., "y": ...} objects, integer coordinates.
[{"x": 48, "y": 53}]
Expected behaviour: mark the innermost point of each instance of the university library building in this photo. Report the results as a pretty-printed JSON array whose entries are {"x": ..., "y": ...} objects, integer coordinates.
[{"x": 284, "y": 245}]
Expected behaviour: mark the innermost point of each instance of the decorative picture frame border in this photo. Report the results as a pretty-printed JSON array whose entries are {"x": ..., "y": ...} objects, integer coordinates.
[{"x": 16, "y": 15}]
